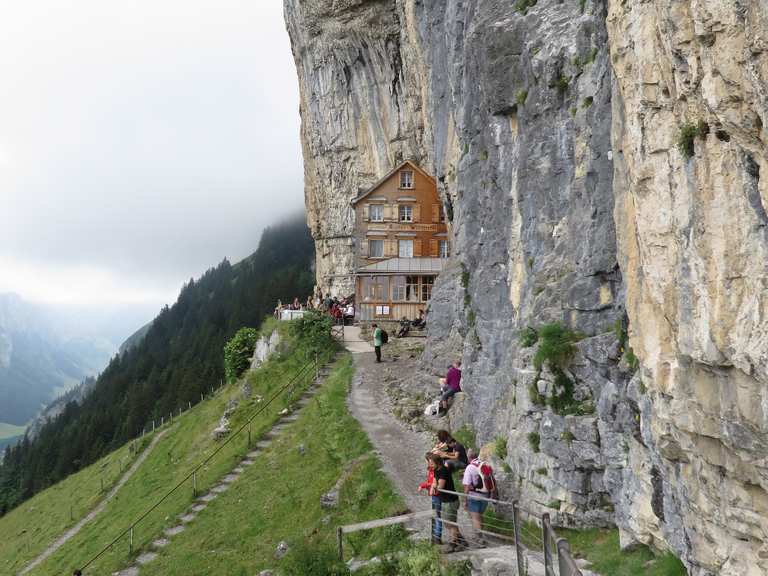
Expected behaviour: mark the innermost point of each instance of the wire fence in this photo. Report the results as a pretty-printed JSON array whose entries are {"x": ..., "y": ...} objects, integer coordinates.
[
  {"x": 311, "y": 368},
  {"x": 502, "y": 525}
]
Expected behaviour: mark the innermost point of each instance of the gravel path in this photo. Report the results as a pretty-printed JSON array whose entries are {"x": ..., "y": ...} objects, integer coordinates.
[
  {"x": 96, "y": 511},
  {"x": 400, "y": 449}
]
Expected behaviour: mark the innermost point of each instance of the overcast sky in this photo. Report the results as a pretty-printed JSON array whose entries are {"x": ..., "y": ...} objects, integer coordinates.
[{"x": 140, "y": 143}]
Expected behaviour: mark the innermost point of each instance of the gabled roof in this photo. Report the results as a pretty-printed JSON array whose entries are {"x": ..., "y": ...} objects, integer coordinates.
[{"x": 388, "y": 175}]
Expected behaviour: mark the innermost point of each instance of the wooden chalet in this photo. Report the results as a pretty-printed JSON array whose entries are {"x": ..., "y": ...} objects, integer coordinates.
[{"x": 402, "y": 243}]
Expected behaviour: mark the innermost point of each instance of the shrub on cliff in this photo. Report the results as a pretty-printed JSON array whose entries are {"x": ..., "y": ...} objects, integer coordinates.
[
  {"x": 314, "y": 330},
  {"x": 238, "y": 352},
  {"x": 556, "y": 346}
]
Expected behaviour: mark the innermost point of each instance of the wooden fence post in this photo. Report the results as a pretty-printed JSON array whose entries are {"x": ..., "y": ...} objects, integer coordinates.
[
  {"x": 545, "y": 543},
  {"x": 518, "y": 547},
  {"x": 340, "y": 542}
]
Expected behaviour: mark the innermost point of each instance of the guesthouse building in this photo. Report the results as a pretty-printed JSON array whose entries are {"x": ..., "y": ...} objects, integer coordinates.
[{"x": 401, "y": 240}]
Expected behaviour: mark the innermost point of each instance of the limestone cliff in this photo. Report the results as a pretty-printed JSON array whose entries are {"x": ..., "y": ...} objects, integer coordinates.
[
  {"x": 692, "y": 248},
  {"x": 550, "y": 126}
]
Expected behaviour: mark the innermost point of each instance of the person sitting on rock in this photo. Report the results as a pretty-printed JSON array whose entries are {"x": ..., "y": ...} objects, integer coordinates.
[
  {"x": 451, "y": 450},
  {"x": 450, "y": 386}
]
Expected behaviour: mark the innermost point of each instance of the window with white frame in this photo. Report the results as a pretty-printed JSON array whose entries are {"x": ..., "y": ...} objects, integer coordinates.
[
  {"x": 443, "y": 249},
  {"x": 375, "y": 248},
  {"x": 412, "y": 288},
  {"x": 375, "y": 289},
  {"x": 398, "y": 289},
  {"x": 406, "y": 179},
  {"x": 405, "y": 248},
  {"x": 405, "y": 213},
  {"x": 376, "y": 212},
  {"x": 426, "y": 287}
]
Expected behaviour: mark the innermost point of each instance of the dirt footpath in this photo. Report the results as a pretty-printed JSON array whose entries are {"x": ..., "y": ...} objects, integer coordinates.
[{"x": 401, "y": 449}]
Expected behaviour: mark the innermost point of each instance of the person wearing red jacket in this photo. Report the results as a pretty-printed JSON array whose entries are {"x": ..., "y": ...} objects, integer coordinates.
[{"x": 430, "y": 485}]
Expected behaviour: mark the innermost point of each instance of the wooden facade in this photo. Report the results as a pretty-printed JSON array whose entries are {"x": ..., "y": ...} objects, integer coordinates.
[{"x": 400, "y": 221}]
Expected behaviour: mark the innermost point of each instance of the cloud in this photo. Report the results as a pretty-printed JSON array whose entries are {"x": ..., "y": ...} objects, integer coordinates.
[{"x": 141, "y": 143}]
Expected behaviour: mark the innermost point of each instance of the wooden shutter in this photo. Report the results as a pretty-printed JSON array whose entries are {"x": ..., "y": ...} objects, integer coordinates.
[
  {"x": 387, "y": 213},
  {"x": 396, "y": 212},
  {"x": 364, "y": 248},
  {"x": 434, "y": 248},
  {"x": 416, "y": 247},
  {"x": 366, "y": 212},
  {"x": 435, "y": 213},
  {"x": 416, "y": 213},
  {"x": 390, "y": 248}
]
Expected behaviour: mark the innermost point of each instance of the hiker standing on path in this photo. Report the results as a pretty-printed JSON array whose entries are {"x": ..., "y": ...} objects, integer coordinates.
[
  {"x": 473, "y": 483},
  {"x": 449, "y": 503},
  {"x": 430, "y": 485},
  {"x": 378, "y": 340}
]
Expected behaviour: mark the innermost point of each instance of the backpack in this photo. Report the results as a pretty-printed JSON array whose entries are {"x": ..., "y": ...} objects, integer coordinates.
[
  {"x": 486, "y": 482},
  {"x": 384, "y": 336}
]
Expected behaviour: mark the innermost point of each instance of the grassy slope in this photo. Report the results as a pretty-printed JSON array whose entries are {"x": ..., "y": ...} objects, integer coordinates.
[
  {"x": 28, "y": 529},
  {"x": 601, "y": 548},
  {"x": 278, "y": 498},
  {"x": 187, "y": 442}
]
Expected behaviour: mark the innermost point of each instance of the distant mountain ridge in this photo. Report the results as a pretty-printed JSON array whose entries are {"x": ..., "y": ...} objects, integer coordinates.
[
  {"x": 179, "y": 356},
  {"x": 39, "y": 360}
]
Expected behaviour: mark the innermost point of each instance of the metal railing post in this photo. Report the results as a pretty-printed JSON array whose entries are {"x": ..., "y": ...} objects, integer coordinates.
[
  {"x": 545, "y": 544},
  {"x": 249, "y": 434},
  {"x": 194, "y": 484},
  {"x": 340, "y": 542},
  {"x": 518, "y": 547},
  {"x": 130, "y": 542},
  {"x": 317, "y": 367}
]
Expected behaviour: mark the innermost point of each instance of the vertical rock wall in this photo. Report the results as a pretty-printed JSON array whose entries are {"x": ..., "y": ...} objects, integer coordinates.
[
  {"x": 692, "y": 246},
  {"x": 361, "y": 114},
  {"x": 549, "y": 129}
]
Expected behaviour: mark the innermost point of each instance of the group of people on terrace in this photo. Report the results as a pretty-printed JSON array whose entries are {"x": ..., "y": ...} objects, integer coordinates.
[
  {"x": 295, "y": 305},
  {"x": 339, "y": 308}
]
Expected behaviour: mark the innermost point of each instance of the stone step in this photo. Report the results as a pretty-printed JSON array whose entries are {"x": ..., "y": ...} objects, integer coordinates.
[
  {"x": 170, "y": 532},
  {"x": 146, "y": 558},
  {"x": 161, "y": 543},
  {"x": 187, "y": 518}
]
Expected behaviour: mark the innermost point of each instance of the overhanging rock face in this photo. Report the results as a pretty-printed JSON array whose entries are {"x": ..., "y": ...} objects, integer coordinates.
[{"x": 549, "y": 130}]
